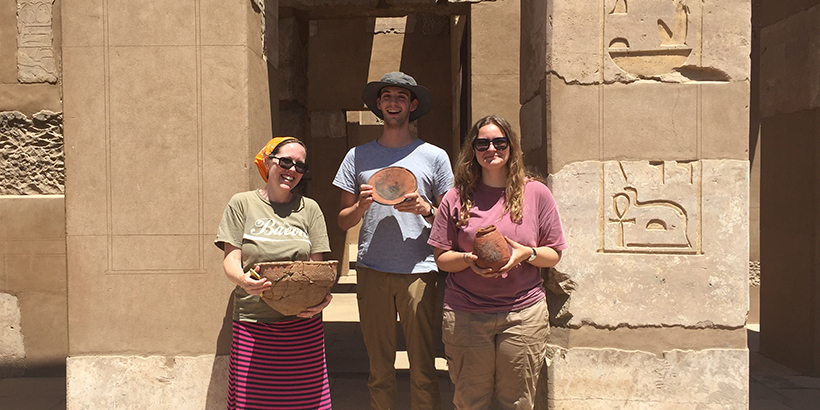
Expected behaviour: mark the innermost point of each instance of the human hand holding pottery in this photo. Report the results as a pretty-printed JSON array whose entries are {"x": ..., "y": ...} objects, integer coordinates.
[
  {"x": 255, "y": 284},
  {"x": 391, "y": 184},
  {"x": 471, "y": 258},
  {"x": 298, "y": 287},
  {"x": 315, "y": 310},
  {"x": 519, "y": 255}
]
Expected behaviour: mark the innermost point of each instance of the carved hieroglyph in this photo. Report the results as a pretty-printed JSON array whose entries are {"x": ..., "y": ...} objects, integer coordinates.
[
  {"x": 651, "y": 207},
  {"x": 651, "y": 37},
  {"x": 35, "y": 54}
]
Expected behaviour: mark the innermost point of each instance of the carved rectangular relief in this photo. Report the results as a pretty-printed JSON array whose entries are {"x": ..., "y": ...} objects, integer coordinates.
[
  {"x": 35, "y": 53},
  {"x": 651, "y": 207},
  {"x": 653, "y": 38}
]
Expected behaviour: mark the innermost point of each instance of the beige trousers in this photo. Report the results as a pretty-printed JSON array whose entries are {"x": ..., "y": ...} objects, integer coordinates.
[
  {"x": 495, "y": 356},
  {"x": 413, "y": 296}
]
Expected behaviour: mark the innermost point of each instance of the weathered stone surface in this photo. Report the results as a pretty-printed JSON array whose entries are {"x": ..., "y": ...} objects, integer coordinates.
[
  {"x": 656, "y": 243},
  {"x": 156, "y": 382},
  {"x": 12, "y": 349},
  {"x": 328, "y": 124},
  {"x": 293, "y": 64},
  {"x": 675, "y": 41},
  {"x": 31, "y": 154},
  {"x": 790, "y": 64},
  {"x": 615, "y": 379},
  {"x": 35, "y": 53}
]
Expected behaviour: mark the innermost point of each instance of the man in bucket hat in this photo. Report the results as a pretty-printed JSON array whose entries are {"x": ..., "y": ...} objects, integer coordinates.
[{"x": 395, "y": 270}]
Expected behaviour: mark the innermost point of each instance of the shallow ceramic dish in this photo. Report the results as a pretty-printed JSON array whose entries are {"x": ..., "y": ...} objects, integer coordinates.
[
  {"x": 391, "y": 184},
  {"x": 297, "y": 285}
]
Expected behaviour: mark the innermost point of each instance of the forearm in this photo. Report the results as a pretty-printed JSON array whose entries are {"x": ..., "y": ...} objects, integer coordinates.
[
  {"x": 546, "y": 257},
  {"x": 350, "y": 216},
  {"x": 233, "y": 269},
  {"x": 451, "y": 261}
]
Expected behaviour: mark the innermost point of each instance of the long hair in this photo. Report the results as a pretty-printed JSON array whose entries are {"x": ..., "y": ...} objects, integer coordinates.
[{"x": 468, "y": 171}]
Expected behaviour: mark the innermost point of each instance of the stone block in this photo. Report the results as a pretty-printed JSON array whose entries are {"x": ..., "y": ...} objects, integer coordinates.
[
  {"x": 83, "y": 23},
  {"x": 725, "y": 120},
  {"x": 8, "y": 42},
  {"x": 496, "y": 94},
  {"x": 790, "y": 64},
  {"x": 617, "y": 379},
  {"x": 137, "y": 303},
  {"x": 573, "y": 43},
  {"x": 326, "y": 3},
  {"x": 224, "y": 129},
  {"x": 650, "y": 121},
  {"x": 31, "y": 155},
  {"x": 534, "y": 47},
  {"x": 532, "y": 124},
  {"x": 261, "y": 121},
  {"x": 12, "y": 348},
  {"x": 45, "y": 328},
  {"x": 649, "y": 39},
  {"x": 29, "y": 99},
  {"x": 224, "y": 23},
  {"x": 34, "y": 219},
  {"x": 36, "y": 272},
  {"x": 495, "y": 37},
  {"x": 656, "y": 243},
  {"x": 87, "y": 135},
  {"x": 131, "y": 382},
  {"x": 293, "y": 63},
  {"x": 574, "y": 123},
  {"x": 328, "y": 124},
  {"x": 153, "y": 199},
  {"x": 339, "y": 52},
  {"x": 158, "y": 23},
  {"x": 727, "y": 38},
  {"x": 36, "y": 61}
]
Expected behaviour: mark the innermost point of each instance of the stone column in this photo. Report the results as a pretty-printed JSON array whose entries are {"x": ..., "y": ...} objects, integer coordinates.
[
  {"x": 790, "y": 183},
  {"x": 165, "y": 104},
  {"x": 641, "y": 109}
]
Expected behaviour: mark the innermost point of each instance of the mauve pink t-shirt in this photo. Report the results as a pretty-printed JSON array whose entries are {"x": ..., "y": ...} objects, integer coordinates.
[{"x": 541, "y": 226}]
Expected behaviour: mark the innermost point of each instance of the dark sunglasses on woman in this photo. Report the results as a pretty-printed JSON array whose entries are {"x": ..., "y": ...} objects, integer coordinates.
[
  {"x": 483, "y": 144},
  {"x": 288, "y": 163}
]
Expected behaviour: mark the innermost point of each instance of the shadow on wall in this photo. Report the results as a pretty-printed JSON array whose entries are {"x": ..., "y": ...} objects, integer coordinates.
[{"x": 218, "y": 386}]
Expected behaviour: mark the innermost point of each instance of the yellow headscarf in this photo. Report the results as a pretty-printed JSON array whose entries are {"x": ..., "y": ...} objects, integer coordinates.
[{"x": 266, "y": 150}]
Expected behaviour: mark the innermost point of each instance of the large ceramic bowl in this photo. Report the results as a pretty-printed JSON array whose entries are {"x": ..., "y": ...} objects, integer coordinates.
[
  {"x": 391, "y": 184},
  {"x": 297, "y": 285}
]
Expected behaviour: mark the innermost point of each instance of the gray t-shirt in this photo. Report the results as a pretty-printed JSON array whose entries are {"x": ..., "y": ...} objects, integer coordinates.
[
  {"x": 269, "y": 232},
  {"x": 389, "y": 240}
]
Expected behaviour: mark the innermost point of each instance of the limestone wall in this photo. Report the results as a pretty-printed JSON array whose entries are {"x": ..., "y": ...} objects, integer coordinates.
[
  {"x": 642, "y": 111},
  {"x": 33, "y": 307},
  {"x": 165, "y": 104}
]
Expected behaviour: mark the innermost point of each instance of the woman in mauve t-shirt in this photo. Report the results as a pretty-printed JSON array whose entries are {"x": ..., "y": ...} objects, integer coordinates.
[{"x": 495, "y": 323}]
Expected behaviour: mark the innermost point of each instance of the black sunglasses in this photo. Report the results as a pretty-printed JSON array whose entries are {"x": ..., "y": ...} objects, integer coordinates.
[
  {"x": 288, "y": 163},
  {"x": 483, "y": 144}
]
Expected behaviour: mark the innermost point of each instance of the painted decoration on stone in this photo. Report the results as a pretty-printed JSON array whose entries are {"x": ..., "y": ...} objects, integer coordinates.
[
  {"x": 651, "y": 207},
  {"x": 650, "y": 37},
  {"x": 35, "y": 54}
]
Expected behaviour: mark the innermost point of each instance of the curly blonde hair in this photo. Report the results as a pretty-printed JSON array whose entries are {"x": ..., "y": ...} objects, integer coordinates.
[{"x": 468, "y": 171}]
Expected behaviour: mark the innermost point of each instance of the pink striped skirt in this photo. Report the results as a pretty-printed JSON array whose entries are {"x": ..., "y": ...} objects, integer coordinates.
[{"x": 278, "y": 366}]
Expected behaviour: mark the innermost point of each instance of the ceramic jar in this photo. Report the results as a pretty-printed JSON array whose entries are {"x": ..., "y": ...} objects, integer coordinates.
[{"x": 491, "y": 248}]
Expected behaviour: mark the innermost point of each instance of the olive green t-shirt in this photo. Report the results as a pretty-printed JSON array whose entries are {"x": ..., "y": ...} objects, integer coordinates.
[{"x": 269, "y": 232}]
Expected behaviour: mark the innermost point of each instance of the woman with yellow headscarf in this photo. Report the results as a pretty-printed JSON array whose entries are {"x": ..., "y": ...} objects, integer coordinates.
[{"x": 277, "y": 361}]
